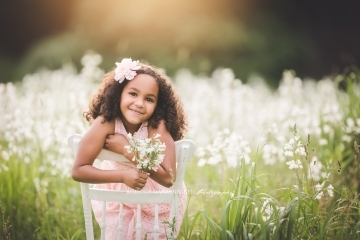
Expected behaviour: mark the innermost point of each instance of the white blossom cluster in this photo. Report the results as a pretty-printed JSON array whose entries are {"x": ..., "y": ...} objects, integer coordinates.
[
  {"x": 268, "y": 208},
  {"x": 316, "y": 171},
  {"x": 227, "y": 147},
  {"x": 295, "y": 150},
  {"x": 148, "y": 152},
  {"x": 352, "y": 127},
  {"x": 321, "y": 190}
]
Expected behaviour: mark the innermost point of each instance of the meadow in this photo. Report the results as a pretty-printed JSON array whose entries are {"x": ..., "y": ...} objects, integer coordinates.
[{"x": 270, "y": 163}]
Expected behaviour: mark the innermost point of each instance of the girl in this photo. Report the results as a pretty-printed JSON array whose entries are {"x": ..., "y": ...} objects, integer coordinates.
[{"x": 134, "y": 98}]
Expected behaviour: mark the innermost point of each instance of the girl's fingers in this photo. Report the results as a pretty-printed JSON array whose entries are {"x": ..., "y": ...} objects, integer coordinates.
[
  {"x": 144, "y": 176},
  {"x": 139, "y": 187}
]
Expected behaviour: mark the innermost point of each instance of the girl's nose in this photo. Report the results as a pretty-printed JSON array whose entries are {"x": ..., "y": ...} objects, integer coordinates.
[{"x": 139, "y": 102}]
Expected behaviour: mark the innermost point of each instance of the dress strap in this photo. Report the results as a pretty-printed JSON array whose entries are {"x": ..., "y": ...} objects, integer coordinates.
[{"x": 119, "y": 127}]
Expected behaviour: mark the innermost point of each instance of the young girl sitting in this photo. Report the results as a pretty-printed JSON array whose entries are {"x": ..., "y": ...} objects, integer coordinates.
[{"x": 139, "y": 99}]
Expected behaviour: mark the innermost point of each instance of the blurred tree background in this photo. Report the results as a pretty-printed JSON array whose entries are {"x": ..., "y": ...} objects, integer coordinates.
[{"x": 250, "y": 36}]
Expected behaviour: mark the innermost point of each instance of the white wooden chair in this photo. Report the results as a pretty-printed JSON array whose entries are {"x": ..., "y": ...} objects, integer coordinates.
[{"x": 184, "y": 151}]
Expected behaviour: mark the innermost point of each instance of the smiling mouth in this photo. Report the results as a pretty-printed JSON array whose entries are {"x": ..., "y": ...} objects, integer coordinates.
[{"x": 136, "y": 112}]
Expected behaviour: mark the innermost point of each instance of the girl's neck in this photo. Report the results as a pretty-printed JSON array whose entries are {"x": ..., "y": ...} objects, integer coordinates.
[{"x": 130, "y": 128}]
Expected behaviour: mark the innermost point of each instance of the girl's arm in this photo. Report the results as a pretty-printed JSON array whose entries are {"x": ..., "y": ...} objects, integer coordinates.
[
  {"x": 166, "y": 173},
  {"x": 90, "y": 147}
]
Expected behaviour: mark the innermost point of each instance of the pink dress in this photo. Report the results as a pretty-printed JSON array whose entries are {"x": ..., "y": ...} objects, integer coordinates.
[{"x": 129, "y": 210}]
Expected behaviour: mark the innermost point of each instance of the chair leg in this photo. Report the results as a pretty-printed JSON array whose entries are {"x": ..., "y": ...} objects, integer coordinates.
[
  {"x": 87, "y": 211},
  {"x": 172, "y": 217},
  {"x": 156, "y": 223},
  {"x": 120, "y": 226},
  {"x": 103, "y": 221},
  {"x": 138, "y": 222}
]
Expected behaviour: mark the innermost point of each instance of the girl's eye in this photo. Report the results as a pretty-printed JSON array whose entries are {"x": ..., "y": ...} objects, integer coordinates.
[
  {"x": 132, "y": 94},
  {"x": 149, "y": 99}
]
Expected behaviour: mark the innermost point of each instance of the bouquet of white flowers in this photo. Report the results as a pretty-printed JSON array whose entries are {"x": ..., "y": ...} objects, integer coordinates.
[{"x": 147, "y": 152}]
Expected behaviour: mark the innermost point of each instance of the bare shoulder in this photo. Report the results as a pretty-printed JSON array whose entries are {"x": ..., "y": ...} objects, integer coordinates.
[
  {"x": 102, "y": 127},
  {"x": 161, "y": 129}
]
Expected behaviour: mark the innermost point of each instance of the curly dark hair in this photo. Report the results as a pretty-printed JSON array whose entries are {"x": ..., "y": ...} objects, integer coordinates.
[{"x": 106, "y": 102}]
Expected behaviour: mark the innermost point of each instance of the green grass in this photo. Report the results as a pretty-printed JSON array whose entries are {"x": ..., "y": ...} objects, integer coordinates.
[{"x": 36, "y": 204}]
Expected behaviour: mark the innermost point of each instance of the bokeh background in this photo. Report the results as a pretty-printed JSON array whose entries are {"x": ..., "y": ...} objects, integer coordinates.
[
  {"x": 292, "y": 145},
  {"x": 250, "y": 36}
]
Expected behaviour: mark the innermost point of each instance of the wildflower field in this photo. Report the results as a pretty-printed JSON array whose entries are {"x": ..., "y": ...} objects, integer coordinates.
[{"x": 270, "y": 163}]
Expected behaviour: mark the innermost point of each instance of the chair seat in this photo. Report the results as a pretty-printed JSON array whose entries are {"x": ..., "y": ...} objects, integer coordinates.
[{"x": 130, "y": 197}]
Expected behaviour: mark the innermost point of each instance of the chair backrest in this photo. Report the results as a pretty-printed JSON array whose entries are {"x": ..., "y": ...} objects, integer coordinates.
[{"x": 184, "y": 150}]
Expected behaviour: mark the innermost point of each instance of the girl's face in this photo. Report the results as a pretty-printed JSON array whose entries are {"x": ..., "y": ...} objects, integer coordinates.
[{"x": 138, "y": 101}]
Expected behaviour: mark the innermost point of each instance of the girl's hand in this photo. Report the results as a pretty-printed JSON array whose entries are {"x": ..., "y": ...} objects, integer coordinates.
[
  {"x": 135, "y": 179},
  {"x": 116, "y": 143}
]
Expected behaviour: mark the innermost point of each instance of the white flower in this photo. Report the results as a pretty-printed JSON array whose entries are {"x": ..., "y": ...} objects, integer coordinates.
[
  {"x": 147, "y": 152},
  {"x": 327, "y": 128},
  {"x": 323, "y": 142},
  {"x": 320, "y": 190},
  {"x": 289, "y": 145},
  {"x": 346, "y": 138},
  {"x": 319, "y": 187},
  {"x": 294, "y": 164},
  {"x": 314, "y": 170},
  {"x": 330, "y": 190},
  {"x": 319, "y": 195},
  {"x": 202, "y": 162},
  {"x": 266, "y": 210},
  {"x": 227, "y": 147},
  {"x": 350, "y": 122},
  {"x": 288, "y": 153},
  {"x": 300, "y": 151},
  {"x": 126, "y": 69}
]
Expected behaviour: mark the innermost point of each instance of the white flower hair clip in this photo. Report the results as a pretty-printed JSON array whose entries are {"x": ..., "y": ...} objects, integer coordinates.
[{"x": 126, "y": 69}]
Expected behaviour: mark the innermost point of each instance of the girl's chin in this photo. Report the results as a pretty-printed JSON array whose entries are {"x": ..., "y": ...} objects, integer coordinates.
[{"x": 134, "y": 122}]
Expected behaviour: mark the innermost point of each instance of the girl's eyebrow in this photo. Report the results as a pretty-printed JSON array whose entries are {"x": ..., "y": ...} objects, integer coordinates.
[
  {"x": 152, "y": 95},
  {"x": 137, "y": 90}
]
